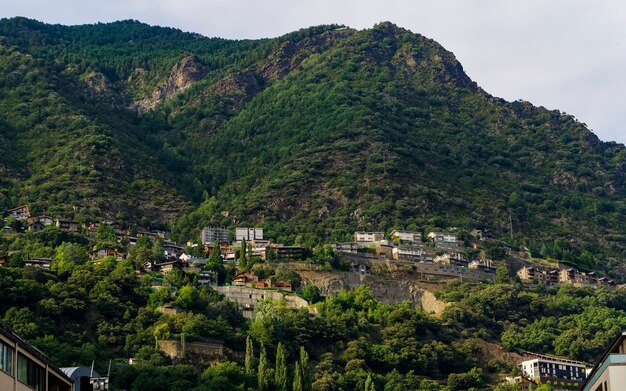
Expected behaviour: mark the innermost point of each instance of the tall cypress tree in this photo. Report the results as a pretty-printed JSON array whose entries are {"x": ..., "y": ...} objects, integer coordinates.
[
  {"x": 262, "y": 379},
  {"x": 297, "y": 378},
  {"x": 280, "y": 374},
  {"x": 242, "y": 255},
  {"x": 249, "y": 357},
  {"x": 304, "y": 369},
  {"x": 369, "y": 384}
]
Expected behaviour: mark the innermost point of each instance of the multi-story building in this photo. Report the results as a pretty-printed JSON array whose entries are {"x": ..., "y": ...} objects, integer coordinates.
[
  {"x": 444, "y": 240},
  {"x": 248, "y": 234},
  {"x": 210, "y": 235},
  {"x": 554, "y": 370},
  {"x": 407, "y": 236},
  {"x": 20, "y": 213},
  {"x": 610, "y": 372},
  {"x": 24, "y": 368},
  {"x": 366, "y": 238}
]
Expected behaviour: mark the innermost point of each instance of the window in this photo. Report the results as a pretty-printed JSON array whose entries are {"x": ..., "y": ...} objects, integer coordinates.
[
  {"x": 29, "y": 373},
  {"x": 6, "y": 358}
]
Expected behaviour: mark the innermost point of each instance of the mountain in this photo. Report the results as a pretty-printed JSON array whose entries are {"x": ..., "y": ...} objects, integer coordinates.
[{"x": 312, "y": 135}]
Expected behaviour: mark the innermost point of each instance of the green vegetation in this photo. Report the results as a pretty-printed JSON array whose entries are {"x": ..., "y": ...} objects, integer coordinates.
[{"x": 315, "y": 134}]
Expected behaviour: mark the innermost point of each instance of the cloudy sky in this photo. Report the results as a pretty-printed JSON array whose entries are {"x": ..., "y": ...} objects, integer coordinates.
[{"x": 562, "y": 54}]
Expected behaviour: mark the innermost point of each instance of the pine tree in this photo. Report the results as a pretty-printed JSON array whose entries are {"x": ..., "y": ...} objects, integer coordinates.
[
  {"x": 249, "y": 357},
  {"x": 297, "y": 378},
  {"x": 280, "y": 374},
  {"x": 216, "y": 257},
  {"x": 304, "y": 369},
  {"x": 262, "y": 371},
  {"x": 369, "y": 384}
]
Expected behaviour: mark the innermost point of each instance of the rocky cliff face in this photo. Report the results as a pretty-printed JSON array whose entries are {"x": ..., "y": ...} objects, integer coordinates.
[
  {"x": 386, "y": 289},
  {"x": 186, "y": 72}
]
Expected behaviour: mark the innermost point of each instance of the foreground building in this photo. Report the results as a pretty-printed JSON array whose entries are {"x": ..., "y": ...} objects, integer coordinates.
[
  {"x": 610, "y": 372},
  {"x": 560, "y": 372},
  {"x": 24, "y": 368}
]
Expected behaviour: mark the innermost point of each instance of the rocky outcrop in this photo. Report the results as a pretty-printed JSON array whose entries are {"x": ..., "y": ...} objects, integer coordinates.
[
  {"x": 388, "y": 290},
  {"x": 185, "y": 73}
]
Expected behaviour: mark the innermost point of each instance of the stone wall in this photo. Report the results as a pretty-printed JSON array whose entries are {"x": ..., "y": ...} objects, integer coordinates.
[
  {"x": 174, "y": 348},
  {"x": 247, "y": 298}
]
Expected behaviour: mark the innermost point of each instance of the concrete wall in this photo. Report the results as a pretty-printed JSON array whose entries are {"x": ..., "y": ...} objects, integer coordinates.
[
  {"x": 247, "y": 298},
  {"x": 174, "y": 348}
]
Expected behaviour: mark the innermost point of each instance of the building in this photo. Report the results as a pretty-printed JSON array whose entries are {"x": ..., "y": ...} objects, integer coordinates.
[
  {"x": 69, "y": 226},
  {"x": 346, "y": 247},
  {"x": 523, "y": 384},
  {"x": 288, "y": 253},
  {"x": 554, "y": 370},
  {"x": 86, "y": 379},
  {"x": 210, "y": 235},
  {"x": 20, "y": 213},
  {"x": 248, "y": 234},
  {"x": 444, "y": 240},
  {"x": 366, "y": 238},
  {"x": 24, "y": 368},
  {"x": 39, "y": 222},
  {"x": 44, "y": 263},
  {"x": 407, "y": 236},
  {"x": 609, "y": 374}
]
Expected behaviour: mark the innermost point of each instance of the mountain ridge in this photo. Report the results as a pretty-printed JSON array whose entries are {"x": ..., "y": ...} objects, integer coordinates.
[{"x": 313, "y": 135}]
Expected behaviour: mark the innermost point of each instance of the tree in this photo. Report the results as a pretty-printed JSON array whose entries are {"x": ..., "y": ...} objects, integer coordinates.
[
  {"x": 262, "y": 380},
  {"x": 249, "y": 357},
  {"x": 311, "y": 293},
  {"x": 369, "y": 384},
  {"x": 502, "y": 275},
  {"x": 280, "y": 370},
  {"x": 242, "y": 255},
  {"x": 304, "y": 369},
  {"x": 297, "y": 378},
  {"x": 216, "y": 257}
]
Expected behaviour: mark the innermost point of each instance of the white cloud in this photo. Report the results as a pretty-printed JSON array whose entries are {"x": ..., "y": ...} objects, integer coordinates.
[{"x": 565, "y": 54}]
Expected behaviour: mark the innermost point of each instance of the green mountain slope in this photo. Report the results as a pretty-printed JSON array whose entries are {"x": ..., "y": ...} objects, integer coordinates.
[{"x": 313, "y": 135}]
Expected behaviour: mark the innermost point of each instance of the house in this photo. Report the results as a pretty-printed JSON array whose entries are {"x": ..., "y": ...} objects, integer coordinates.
[
  {"x": 86, "y": 379},
  {"x": 523, "y": 383},
  {"x": 486, "y": 265},
  {"x": 346, "y": 247},
  {"x": 166, "y": 267},
  {"x": 281, "y": 285},
  {"x": 413, "y": 254},
  {"x": 483, "y": 234},
  {"x": 210, "y": 235},
  {"x": 24, "y": 367},
  {"x": 572, "y": 276},
  {"x": 444, "y": 240},
  {"x": 98, "y": 255},
  {"x": 245, "y": 278},
  {"x": 451, "y": 258},
  {"x": 406, "y": 236},
  {"x": 21, "y": 213},
  {"x": 44, "y": 263},
  {"x": 249, "y": 234},
  {"x": 532, "y": 275},
  {"x": 367, "y": 238},
  {"x": 171, "y": 250},
  {"x": 39, "y": 222},
  {"x": 555, "y": 370},
  {"x": 361, "y": 269},
  {"x": 207, "y": 277},
  {"x": 69, "y": 226},
  {"x": 610, "y": 372}
]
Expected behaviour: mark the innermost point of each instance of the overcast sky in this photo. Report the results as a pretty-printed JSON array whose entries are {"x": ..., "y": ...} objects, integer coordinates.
[{"x": 562, "y": 54}]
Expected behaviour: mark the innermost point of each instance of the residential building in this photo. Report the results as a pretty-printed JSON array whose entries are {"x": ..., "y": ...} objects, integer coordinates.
[
  {"x": 407, "y": 236},
  {"x": 210, "y": 235},
  {"x": 24, "y": 368},
  {"x": 609, "y": 374},
  {"x": 483, "y": 234},
  {"x": 66, "y": 225},
  {"x": 288, "y": 253},
  {"x": 39, "y": 222},
  {"x": 246, "y": 278},
  {"x": 367, "y": 238},
  {"x": 483, "y": 264},
  {"x": 451, "y": 258},
  {"x": 554, "y": 370},
  {"x": 98, "y": 255},
  {"x": 346, "y": 247},
  {"x": 20, "y": 213},
  {"x": 248, "y": 234},
  {"x": 572, "y": 276},
  {"x": 522, "y": 382},
  {"x": 444, "y": 240},
  {"x": 44, "y": 263}
]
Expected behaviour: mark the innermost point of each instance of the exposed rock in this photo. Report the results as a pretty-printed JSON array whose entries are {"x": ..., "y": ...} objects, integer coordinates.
[
  {"x": 241, "y": 85},
  {"x": 185, "y": 73}
]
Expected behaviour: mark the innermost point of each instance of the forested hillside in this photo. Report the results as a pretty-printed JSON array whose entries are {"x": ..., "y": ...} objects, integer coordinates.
[{"x": 312, "y": 135}]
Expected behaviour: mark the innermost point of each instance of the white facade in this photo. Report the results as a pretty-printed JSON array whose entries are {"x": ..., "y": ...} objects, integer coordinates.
[
  {"x": 545, "y": 368},
  {"x": 248, "y": 234},
  {"x": 369, "y": 237},
  {"x": 610, "y": 373}
]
